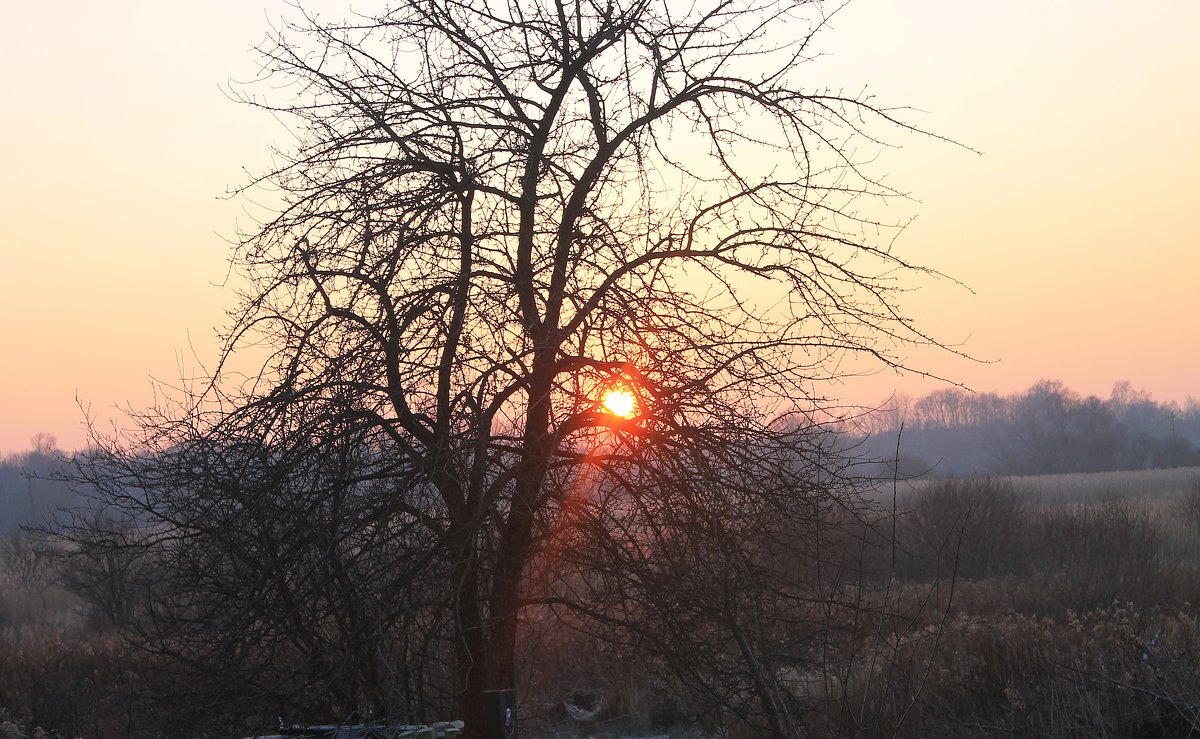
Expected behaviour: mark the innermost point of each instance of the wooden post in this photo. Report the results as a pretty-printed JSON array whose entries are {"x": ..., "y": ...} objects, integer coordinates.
[{"x": 499, "y": 707}]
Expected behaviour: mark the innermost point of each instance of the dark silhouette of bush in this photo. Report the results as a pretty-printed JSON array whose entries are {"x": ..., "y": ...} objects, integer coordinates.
[{"x": 967, "y": 528}]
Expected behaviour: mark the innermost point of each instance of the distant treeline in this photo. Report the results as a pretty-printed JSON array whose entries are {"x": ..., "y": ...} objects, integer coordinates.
[
  {"x": 30, "y": 491},
  {"x": 1048, "y": 429}
]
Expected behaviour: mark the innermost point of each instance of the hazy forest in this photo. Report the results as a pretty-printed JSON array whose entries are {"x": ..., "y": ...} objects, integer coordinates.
[{"x": 523, "y": 403}]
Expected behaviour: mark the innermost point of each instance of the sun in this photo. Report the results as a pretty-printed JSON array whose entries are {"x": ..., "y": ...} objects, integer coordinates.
[{"x": 620, "y": 403}]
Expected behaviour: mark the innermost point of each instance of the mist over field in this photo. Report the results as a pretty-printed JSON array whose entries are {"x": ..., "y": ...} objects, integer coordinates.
[{"x": 1046, "y": 430}]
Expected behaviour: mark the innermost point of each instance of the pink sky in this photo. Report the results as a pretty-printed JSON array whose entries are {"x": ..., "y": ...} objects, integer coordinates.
[{"x": 1077, "y": 228}]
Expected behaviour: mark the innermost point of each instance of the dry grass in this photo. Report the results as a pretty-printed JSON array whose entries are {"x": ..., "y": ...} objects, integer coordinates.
[
  {"x": 1101, "y": 486},
  {"x": 1072, "y": 612},
  {"x": 1116, "y": 672}
]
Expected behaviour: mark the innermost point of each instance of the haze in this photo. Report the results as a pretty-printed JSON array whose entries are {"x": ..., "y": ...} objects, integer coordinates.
[{"x": 1076, "y": 228}]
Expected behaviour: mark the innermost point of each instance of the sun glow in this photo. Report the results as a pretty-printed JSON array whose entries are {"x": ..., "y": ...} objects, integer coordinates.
[{"x": 620, "y": 403}]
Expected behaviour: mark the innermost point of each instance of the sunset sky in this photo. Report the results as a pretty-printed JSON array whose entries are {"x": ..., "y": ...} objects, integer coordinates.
[{"x": 1076, "y": 227}]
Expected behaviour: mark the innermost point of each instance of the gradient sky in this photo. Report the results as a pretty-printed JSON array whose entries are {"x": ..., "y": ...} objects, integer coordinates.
[{"x": 1077, "y": 228}]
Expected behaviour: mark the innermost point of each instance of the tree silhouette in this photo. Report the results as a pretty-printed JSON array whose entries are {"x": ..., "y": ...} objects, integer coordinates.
[{"x": 493, "y": 213}]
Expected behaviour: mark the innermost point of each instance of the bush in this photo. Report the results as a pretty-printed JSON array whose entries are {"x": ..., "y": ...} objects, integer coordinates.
[
  {"x": 969, "y": 528},
  {"x": 1091, "y": 556}
]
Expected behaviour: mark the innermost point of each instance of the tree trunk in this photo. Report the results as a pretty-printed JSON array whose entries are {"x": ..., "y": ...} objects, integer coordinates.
[{"x": 470, "y": 653}]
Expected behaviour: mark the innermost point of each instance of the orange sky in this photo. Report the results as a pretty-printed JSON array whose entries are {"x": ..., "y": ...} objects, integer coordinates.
[{"x": 1078, "y": 229}]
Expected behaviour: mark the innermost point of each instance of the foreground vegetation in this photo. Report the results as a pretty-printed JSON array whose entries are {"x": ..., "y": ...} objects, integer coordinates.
[{"x": 1052, "y": 606}]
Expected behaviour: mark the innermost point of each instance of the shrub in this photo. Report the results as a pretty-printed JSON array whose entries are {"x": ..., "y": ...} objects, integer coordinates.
[
  {"x": 969, "y": 528},
  {"x": 1091, "y": 556}
]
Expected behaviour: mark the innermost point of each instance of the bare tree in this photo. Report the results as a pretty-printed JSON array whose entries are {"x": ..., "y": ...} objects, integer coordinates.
[
  {"x": 494, "y": 213},
  {"x": 1053, "y": 430},
  {"x": 723, "y": 571}
]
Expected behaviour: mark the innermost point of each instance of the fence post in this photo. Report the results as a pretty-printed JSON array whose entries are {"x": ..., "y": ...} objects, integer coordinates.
[{"x": 501, "y": 721}]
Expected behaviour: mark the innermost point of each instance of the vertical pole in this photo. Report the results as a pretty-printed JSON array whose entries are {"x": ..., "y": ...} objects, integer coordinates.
[{"x": 499, "y": 708}]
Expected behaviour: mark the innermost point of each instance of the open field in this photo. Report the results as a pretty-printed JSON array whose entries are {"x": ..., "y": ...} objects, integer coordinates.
[
  {"x": 1082, "y": 487},
  {"x": 1105, "y": 486}
]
